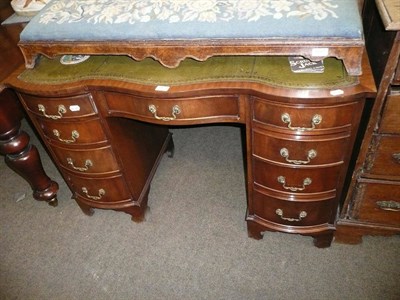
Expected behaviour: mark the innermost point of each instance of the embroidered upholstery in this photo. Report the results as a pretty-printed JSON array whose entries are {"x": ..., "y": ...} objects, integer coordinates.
[{"x": 103, "y": 20}]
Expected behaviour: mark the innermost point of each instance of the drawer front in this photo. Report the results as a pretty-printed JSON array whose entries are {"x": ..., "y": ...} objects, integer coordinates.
[
  {"x": 175, "y": 110},
  {"x": 303, "y": 118},
  {"x": 60, "y": 108},
  {"x": 293, "y": 213},
  {"x": 101, "y": 190},
  {"x": 378, "y": 203},
  {"x": 73, "y": 133},
  {"x": 396, "y": 79},
  {"x": 385, "y": 160},
  {"x": 296, "y": 180},
  {"x": 301, "y": 150},
  {"x": 88, "y": 161},
  {"x": 390, "y": 119}
]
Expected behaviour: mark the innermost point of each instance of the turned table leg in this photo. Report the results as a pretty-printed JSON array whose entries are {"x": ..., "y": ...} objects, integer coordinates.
[{"x": 20, "y": 156}]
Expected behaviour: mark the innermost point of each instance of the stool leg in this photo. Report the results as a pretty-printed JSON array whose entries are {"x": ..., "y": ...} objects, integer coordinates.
[{"x": 20, "y": 156}]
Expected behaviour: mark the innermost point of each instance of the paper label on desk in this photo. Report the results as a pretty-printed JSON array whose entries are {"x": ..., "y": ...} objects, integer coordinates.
[
  {"x": 162, "y": 88},
  {"x": 299, "y": 64},
  {"x": 337, "y": 92},
  {"x": 74, "y": 108},
  {"x": 73, "y": 59},
  {"x": 320, "y": 52}
]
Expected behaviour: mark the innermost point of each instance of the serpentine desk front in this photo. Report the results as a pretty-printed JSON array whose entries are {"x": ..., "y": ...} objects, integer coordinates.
[{"x": 105, "y": 123}]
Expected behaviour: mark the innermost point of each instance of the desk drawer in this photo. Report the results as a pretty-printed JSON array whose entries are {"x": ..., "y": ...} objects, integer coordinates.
[
  {"x": 87, "y": 161},
  {"x": 303, "y": 150},
  {"x": 61, "y": 108},
  {"x": 73, "y": 133},
  {"x": 293, "y": 213},
  {"x": 391, "y": 115},
  {"x": 378, "y": 202},
  {"x": 385, "y": 159},
  {"x": 100, "y": 190},
  {"x": 178, "y": 110},
  {"x": 303, "y": 118},
  {"x": 297, "y": 179}
]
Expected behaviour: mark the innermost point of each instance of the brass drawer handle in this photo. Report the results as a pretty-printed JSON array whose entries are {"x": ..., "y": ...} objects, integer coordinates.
[
  {"x": 102, "y": 192},
  {"x": 61, "y": 110},
  {"x": 311, "y": 154},
  {"x": 396, "y": 157},
  {"x": 88, "y": 164},
  {"x": 302, "y": 215},
  {"x": 306, "y": 181},
  {"x": 389, "y": 205},
  {"x": 176, "y": 110},
  {"x": 316, "y": 120},
  {"x": 74, "y": 136}
]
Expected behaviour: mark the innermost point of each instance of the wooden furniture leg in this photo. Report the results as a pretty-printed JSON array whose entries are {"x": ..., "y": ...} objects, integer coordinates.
[
  {"x": 254, "y": 230},
  {"x": 86, "y": 209},
  {"x": 20, "y": 156},
  {"x": 323, "y": 240}
]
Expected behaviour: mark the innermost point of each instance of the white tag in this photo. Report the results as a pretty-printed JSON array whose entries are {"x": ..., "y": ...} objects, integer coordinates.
[
  {"x": 320, "y": 52},
  {"x": 337, "y": 92},
  {"x": 162, "y": 88},
  {"x": 73, "y": 59},
  {"x": 74, "y": 108}
]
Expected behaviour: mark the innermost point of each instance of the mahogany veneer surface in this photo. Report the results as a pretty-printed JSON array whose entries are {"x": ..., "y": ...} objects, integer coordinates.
[{"x": 119, "y": 109}]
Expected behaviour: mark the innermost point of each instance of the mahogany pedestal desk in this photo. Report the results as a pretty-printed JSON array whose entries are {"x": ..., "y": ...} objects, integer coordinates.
[
  {"x": 105, "y": 121},
  {"x": 20, "y": 156}
]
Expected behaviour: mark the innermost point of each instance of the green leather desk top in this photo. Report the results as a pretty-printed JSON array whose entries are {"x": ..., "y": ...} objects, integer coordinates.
[{"x": 273, "y": 71}]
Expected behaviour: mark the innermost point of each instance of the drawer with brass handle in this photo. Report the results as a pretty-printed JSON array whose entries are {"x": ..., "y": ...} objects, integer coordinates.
[
  {"x": 303, "y": 150},
  {"x": 176, "y": 110},
  {"x": 104, "y": 189},
  {"x": 306, "y": 182},
  {"x": 73, "y": 133},
  {"x": 377, "y": 202},
  {"x": 292, "y": 213},
  {"x": 296, "y": 179},
  {"x": 62, "y": 108},
  {"x": 303, "y": 119},
  {"x": 384, "y": 159},
  {"x": 315, "y": 120},
  {"x": 87, "y": 161}
]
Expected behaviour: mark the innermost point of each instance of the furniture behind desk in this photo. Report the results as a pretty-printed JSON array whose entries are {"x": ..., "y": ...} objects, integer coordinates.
[
  {"x": 105, "y": 123},
  {"x": 372, "y": 205}
]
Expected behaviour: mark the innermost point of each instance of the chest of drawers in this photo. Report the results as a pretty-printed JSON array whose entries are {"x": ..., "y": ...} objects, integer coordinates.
[
  {"x": 372, "y": 204},
  {"x": 108, "y": 133},
  {"x": 299, "y": 158}
]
